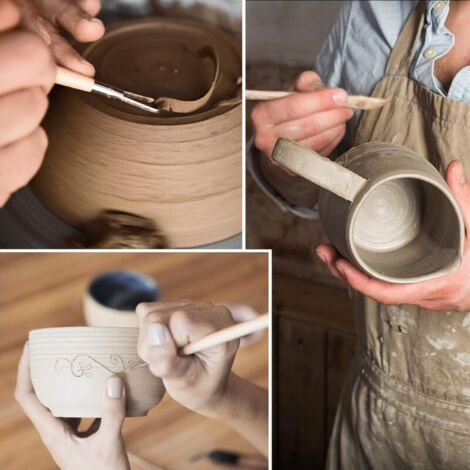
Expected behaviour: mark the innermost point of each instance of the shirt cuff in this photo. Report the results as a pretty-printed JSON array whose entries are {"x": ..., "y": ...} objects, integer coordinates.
[{"x": 252, "y": 165}]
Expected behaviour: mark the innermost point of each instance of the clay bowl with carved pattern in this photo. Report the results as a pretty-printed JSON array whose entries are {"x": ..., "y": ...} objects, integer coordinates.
[{"x": 70, "y": 367}]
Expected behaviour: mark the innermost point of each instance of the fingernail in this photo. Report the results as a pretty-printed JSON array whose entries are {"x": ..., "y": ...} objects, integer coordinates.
[
  {"x": 114, "y": 387},
  {"x": 96, "y": 20},
  {"x": 340, "y": 97},
  {"x": 156, "y": 335},
  {"x": 322, "y": 258}
]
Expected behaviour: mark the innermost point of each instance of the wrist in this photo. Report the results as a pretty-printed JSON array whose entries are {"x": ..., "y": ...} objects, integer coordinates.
[{"x": 238, "y": 402}]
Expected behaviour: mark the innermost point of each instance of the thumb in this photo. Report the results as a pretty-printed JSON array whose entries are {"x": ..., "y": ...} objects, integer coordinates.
[
  {"x": 113, "y": 408},
  {"x": 457, "y": 181},
  {"x": 163, "y": 358},
  {"x": 9, "y": 15}
]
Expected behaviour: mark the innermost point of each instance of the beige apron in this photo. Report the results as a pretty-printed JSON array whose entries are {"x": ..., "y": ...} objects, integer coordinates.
[{"x": 406, "y": 401}]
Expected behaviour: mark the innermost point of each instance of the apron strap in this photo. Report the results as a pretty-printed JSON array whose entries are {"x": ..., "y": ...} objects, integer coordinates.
[{"x": 403, "y": 52}]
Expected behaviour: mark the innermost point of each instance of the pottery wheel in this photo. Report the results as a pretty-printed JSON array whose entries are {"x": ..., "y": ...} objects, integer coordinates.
[
  {"x": 183, "y": 173},
  {"x": 389, "y": 217},
  {"x": 26, "y": 223}
]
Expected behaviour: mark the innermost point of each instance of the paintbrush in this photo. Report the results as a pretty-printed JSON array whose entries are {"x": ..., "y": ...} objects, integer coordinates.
[
  {"x": 354, "y": 101},
  {"x": 223, "y": 336}
]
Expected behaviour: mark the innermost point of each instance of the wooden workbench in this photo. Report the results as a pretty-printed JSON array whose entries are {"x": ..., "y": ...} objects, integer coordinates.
[{"x": 45, "y": 289}]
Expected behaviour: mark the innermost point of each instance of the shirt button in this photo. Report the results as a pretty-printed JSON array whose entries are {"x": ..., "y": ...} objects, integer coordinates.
[
  {"x": 439, "y": 6},
  {"x": 429, "y": 53}
]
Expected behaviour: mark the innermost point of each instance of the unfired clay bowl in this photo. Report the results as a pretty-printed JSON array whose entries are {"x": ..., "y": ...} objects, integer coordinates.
[
  {"x": 181, "y": 171},
  {"x": 111, "y": 298},
  {"x": 70, "y": 367},
  {"x": 385, "y": 208}
]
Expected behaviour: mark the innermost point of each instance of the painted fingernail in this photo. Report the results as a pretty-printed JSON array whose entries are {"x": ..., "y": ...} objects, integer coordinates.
[
  {"x": 340, "y": 97},
  {"x": 114, "y": 387},
  {"x": 156, "y": 335}
]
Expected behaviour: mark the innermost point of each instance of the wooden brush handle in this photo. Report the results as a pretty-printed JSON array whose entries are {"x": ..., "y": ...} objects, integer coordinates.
[
  {"x": 227, "y": 334},
  {"x": 354, "y": 102},
  {"x": 75, "y": 80}
]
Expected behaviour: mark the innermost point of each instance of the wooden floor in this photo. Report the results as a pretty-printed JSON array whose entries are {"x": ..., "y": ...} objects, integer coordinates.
[{"x": 45, "y": 289}]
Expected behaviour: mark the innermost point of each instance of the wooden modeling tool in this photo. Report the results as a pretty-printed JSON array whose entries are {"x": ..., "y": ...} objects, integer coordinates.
[
  {"x": 75, "y": 80},
  {"x": 223, "y": 336},
  {"x": 356, "y": 102}
]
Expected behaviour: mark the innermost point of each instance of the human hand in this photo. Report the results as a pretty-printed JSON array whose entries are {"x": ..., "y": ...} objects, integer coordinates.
[
  {"x": 27, "y": 73},
  {"x": 100, "y": 448},
  {"x": 200, "y": 381},
  {"x": 448, "y": 292},
  {"x": 314, "y": 118},
  {"x": 77, "y": 17}
]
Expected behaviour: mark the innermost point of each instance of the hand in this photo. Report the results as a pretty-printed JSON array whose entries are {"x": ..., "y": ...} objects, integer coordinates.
[
  {"x": 202, "y": 382},
  {"x": 100, "y": 449},
  {"x": 314, "y": 118},
  {"x": 448, "y": 292},
  {"x": 199, "y": 382},
  {"x": 27, "y": 73},
  {"x": 77, "y": 17}
]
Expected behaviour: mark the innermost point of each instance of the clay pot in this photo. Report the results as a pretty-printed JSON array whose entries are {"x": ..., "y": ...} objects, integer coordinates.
[
  {"x": 385, "y": 209},
  {"x": 181, "y": 171},
  {"x": 70, "y": 367},
  {"x": 111, "y": 298}
]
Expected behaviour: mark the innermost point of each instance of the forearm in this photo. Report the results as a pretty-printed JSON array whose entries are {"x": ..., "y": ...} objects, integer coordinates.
[{"x": 244, "y": 408}]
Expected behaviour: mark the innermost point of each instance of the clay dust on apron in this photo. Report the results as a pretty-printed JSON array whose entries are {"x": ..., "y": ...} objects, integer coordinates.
[{"x": 406, "y": 400}]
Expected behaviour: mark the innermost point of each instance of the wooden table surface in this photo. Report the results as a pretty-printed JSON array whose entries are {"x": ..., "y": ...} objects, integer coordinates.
[{"x": 45, "y": 289}]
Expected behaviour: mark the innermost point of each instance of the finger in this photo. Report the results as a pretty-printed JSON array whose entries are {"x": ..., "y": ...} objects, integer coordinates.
[
  {"x": 308, "y": 81},
  {"x": 92, "y": 7},
  {"x": 324, "y": 139},
  {"x": 312, "y": 125},
  {"x": 326, "y": 152},
  {"x": 188, "y": 327},
  {"x": 329, "y": 256},
  {"x": 162, "y": 356},
  {"x": 457, "y": 181},
  {"x": 297, "y": 106},
  {"x": 113, "y": 409},
  {"x": 4, "y": 196},
  {"x": 383, "y": 292},
  {"x": 80, "y": 24},
  {"x": 26, "y": 62},
  {"x": 20, "y": 161},
  {"x": 68, "y": 57},
  {"x": 32, "y": 20},
  {"x": 9, "y": 15},
  {"x": 21, "y": 112},
  {"x": 146, "y": 308},
  {"x": 49, "y": 428}
]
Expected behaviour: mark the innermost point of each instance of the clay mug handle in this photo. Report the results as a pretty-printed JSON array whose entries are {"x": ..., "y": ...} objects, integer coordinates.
[{"x": 317, "y": 169}]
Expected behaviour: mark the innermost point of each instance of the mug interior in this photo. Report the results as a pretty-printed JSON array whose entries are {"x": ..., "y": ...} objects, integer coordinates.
[
  {"x": 123, "y": 290},
  {"x": 412, "y": 230}
]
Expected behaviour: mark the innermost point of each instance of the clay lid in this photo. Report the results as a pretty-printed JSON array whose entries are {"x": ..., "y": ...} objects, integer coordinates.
[{"x": 159, "y": 57}]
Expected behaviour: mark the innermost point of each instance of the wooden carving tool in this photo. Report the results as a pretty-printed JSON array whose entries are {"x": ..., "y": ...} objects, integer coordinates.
[
  {"x": 355, "y": 102},
  {"x": 75, "y": 80},
  {"x": 223, "y": 336}
]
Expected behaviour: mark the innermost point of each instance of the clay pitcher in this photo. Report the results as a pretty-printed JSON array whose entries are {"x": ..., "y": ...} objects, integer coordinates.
[{"x": 385, "y": 208}]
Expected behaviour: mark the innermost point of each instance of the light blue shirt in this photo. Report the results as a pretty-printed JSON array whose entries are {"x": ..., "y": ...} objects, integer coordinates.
[{"x": 355, "y": 55}]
